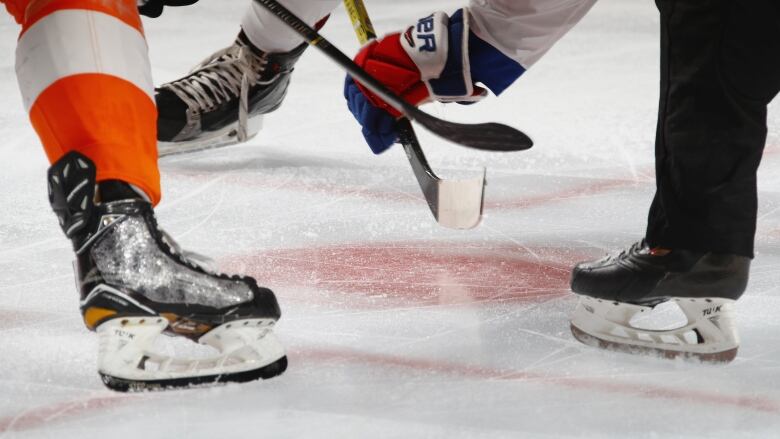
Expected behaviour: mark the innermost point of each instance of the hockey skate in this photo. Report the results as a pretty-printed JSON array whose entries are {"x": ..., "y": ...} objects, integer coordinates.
[
  {"x": 136, "y": 284},
  {"x": 617, "y": 290},
  {"x": 223, "y": 99}
]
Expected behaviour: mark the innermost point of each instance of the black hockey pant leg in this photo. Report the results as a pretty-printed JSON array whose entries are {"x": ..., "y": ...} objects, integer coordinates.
[{"x": 720, "y": 68}]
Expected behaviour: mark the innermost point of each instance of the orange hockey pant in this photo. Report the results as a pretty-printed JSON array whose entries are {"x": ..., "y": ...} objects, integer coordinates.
[{"x": 84, "y": 74}]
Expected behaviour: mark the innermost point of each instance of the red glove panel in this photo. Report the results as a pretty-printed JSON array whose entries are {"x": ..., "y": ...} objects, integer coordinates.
[{"x": 389, "y": 63}]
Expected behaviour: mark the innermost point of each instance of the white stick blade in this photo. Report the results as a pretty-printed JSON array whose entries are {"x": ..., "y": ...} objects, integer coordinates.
[{"x": 460, "y": 202}]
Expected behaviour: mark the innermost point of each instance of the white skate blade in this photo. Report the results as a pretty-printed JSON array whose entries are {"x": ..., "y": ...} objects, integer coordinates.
[
  {"x": 248, "y": 350},
  {"x": 709, "y": 335},
  {"x": 460, "y": 202},
  {"x": 226, "y": 136}
]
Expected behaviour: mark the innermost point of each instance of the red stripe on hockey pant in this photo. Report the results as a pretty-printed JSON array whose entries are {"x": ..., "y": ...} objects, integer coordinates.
[
  {"x": 124, "y": 10},
  {"x": 387, "y": 62}
]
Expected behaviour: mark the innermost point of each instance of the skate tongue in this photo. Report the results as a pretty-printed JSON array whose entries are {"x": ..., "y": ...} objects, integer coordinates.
[{"x": 243, "y": 40}]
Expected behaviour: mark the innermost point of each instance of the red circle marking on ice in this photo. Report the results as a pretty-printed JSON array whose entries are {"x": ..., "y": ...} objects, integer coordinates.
[{"x": 395, "y": 274}]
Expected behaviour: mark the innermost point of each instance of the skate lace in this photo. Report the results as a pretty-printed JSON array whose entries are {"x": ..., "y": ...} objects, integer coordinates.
[
  {"x": 623, "y": 253},
  {"x": 225, "y": 75},
  {"x": 191, "y": 258}
]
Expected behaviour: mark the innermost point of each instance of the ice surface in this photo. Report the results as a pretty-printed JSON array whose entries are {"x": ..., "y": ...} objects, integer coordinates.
[{"x": 395, "y": 326}]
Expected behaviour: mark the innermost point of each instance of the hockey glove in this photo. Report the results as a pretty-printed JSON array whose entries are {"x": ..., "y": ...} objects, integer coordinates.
[
  {"x": 438, "y": 59},
  {"x": 154, "y": 8}
]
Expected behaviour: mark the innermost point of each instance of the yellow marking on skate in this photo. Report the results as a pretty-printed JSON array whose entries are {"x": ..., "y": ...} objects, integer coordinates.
[
  {"x": 172, "y": 318},
  {"x": 93, "y": 316}
]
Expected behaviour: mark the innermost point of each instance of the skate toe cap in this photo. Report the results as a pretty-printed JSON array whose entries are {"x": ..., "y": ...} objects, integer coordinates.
[
  {"x": 599, "y": 280},
  {"x": 265, "y": 300}
]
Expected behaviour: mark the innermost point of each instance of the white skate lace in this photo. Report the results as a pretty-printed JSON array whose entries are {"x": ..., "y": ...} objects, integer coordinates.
[
  {"x": 226, "y": 74},
  {"x": 615, "y": 256},
  {"x": 194, "y": 259}
]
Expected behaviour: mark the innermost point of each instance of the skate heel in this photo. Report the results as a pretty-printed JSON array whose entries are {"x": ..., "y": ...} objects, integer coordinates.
[
  {"x": 713, "y": 321},
  {"x": 708, "y": 335}
]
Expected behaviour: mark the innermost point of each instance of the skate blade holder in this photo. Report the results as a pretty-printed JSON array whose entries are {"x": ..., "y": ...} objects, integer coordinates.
[
  {"x": 709, "y": 335},
  {"x": 125, "y": 350},
  {"x": 223, "y": 137}
]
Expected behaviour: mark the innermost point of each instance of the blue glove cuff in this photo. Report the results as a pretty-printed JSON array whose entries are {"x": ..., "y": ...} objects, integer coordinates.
[
  {"x": 489, "y": 65},
  {"x": 378, "y": 125}
]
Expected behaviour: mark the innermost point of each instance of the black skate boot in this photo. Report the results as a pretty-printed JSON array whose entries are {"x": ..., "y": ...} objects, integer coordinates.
[
  {"x": 221, "y": 102},
  {"x": 135, "y": 284},
  {"x": 615, "y": 289}
]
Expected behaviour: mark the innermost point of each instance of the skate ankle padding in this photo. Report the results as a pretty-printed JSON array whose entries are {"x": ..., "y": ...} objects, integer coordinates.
[
  {"x": 71, "y": 182},
  {"x": 243, "y": 39},
  {"x": 116, "y": 190}
]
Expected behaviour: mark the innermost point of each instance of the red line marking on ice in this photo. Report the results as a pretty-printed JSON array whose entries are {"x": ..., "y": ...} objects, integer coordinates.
[
  {"x": 759, "y": 404},
  {"x": 37, "y": 417},
  {"x": 562, "y": 195},
  {"x": 591, "y": 188},
  {"x": 415, "y": 273},
  {"x": 588, "y": 189}
]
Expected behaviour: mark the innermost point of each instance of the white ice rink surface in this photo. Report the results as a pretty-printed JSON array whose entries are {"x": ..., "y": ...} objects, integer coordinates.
[{"x": 395, "y": 326}]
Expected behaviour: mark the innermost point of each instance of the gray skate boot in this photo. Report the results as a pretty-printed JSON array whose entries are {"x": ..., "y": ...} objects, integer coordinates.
[{"x": 135, "y": 284}]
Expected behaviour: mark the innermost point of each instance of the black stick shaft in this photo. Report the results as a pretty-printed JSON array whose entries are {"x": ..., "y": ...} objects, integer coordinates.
[{"x": 315, "y": 39}]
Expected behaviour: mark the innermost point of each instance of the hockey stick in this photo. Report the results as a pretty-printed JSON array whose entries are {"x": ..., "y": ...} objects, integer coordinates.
[
  {"x": 361, "y": 22},
  {"x": 455, "y": 204},
  {"x": 484, "y": 136}
]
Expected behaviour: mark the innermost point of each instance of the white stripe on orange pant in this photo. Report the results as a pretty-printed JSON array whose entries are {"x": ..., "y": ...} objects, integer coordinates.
[
  {"x": 84, "y": 73},
  {"x": 95, "y": 43}
]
